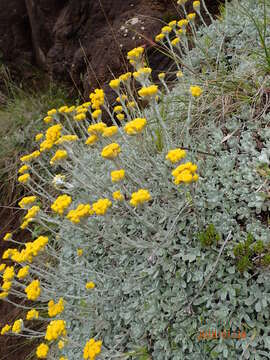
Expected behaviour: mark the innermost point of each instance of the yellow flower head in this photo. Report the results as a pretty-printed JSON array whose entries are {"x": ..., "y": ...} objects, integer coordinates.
[
  {"x": 79, "y": 117},
  {"x": 175, "y": 155},
  {"x": 92, "y": 349},
  {"x": 111, "y": 151},
  {"x": 39, "y": 136},
  {"x": 91, "y": 140},
  {"x": 96, "y": 114},
  {"x": 125, "y": 77},
  {"x": 191, "y": 16},
  {"x": 26, "y": 201},
  {"x": 48, "y": 119},
  {"x": 33, "y": 290},
  {"x": 23, "y": 169},
  {"x": 166, "y": 30},
  {"x": 58, "y": 156},
  {"x": 96, "y": 129},
  {"x": 32, "y": 314},
  {"x": 17, "y": 326},
  {"x": 24, "y": 178},
  {"x": 79, "y": 252},
  {"x": 195, "y": 91},
  {"x": 61, "y": 204},
  {"x": 97, "y": 98},
  {"x": 42, "y": 351},
  {"x": 118, "y": 196},
  {"x": 118, "y": 109},
  {"x": 183, "y": 23},
  {"x": 114, "y": 84},
  {"x": 135, "y": 126},
  {"x": 120, "y": 117},
  {"x": 135, "y": 54},
  {"x": 23, "y": 272},
  {"x": 148, "y": 92},
  {"x": 140, "y": 197},
  {"x": 82, "y": 211},
  {"x": 117, "y": 175},
  {"x": 110, "y": 131},
  {"x": 175, "y": 41},
  {"x": 90, "y": 285},
  {"x": 55, "y": 329},
  {"x": 7, "y": 236},
  {"x": 159, "y": 37},
  {"x": 101, "y": 206},
  {"x": 55, "y": 309},
  {"x": 196, "y": 5},
  {"x": 51, "y": 112},
  {"x": 5, "y": 329}
]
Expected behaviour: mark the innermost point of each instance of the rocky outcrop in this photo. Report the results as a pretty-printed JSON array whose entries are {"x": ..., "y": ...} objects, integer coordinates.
[{"x": 84, "y": 41}]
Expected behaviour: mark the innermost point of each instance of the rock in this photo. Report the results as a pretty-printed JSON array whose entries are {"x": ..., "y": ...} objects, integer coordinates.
[{"x": 81, "y": 42}]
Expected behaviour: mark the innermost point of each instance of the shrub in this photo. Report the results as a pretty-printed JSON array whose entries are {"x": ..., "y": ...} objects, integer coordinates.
[{"x": 148, "y": 222}]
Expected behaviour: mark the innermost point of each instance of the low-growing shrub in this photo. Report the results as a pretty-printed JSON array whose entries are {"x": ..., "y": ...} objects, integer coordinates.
[{"x": 150, "y": 220}]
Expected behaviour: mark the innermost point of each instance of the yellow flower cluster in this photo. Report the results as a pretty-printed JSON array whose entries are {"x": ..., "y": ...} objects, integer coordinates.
[
  {"x": 142, "y": 73},
  {"x": 31, "y": 214},
  {"x": 195, "y": 91},
  {"x": 66, "y": 138},
  {"x": 7, "y": 236},
  {"x": 196, "y": 5},
  {"x": 140, "y": 197},
  {"x": 53, "y": 133},
  {"x": 117, "y": 175},
  {"x": 42, "y": 351},
  {"x": 23, "y": 272},
  {"x": 135, "y": 126},
  {"x": 61, "y": 204},
  {"x": 118, "y": 196},
  {"x": 33, "y": 290},
  {"x": 97, "y": 129},
  {"x": 32, "y": 314},
  {"x": 2, "y": 267},
  {"x": 31, "y": 249},
  {"x": 166, "y": 30},
  {"x": 110, "y": 131},
  {"x": 124, "y": 78},
  {"x": 17, "y": 326},
  {"x": 101, "y": 206},
  {"x": 135, "y": 55},
  {"x": 185, "y": 173},
  {"x": 175, "y": 155},
  {"x": 111, "y": 151},
  {"x": 59, "y": 155},
  {"x": 29, "y": 217},
  {"x": 82, "y": 211},
  {"x": 26, "y": 201},
  {"x": 97, "y": 99},
  {"x": 23, "y": 169},
  {"x": 5, "y": 329},
  {"x": 159, "y": 37},
  {"x": 191, "y": 16},
  {"x": 30, "y": 157},
  {"x": 24, "y": 178},
  {"x": 148, "y": 92},
  {"x": 92, "y": 349},
  {"x": 9, "y": 273},
  {"x": 55, "y": 329},
  {"x": 90, "y": 285},
  {"x": 55, "y": 308},
  {"x": 114, "y": 84},
  {"x": 91, "y": 140},
  {"x": 39, "y": 136}
]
